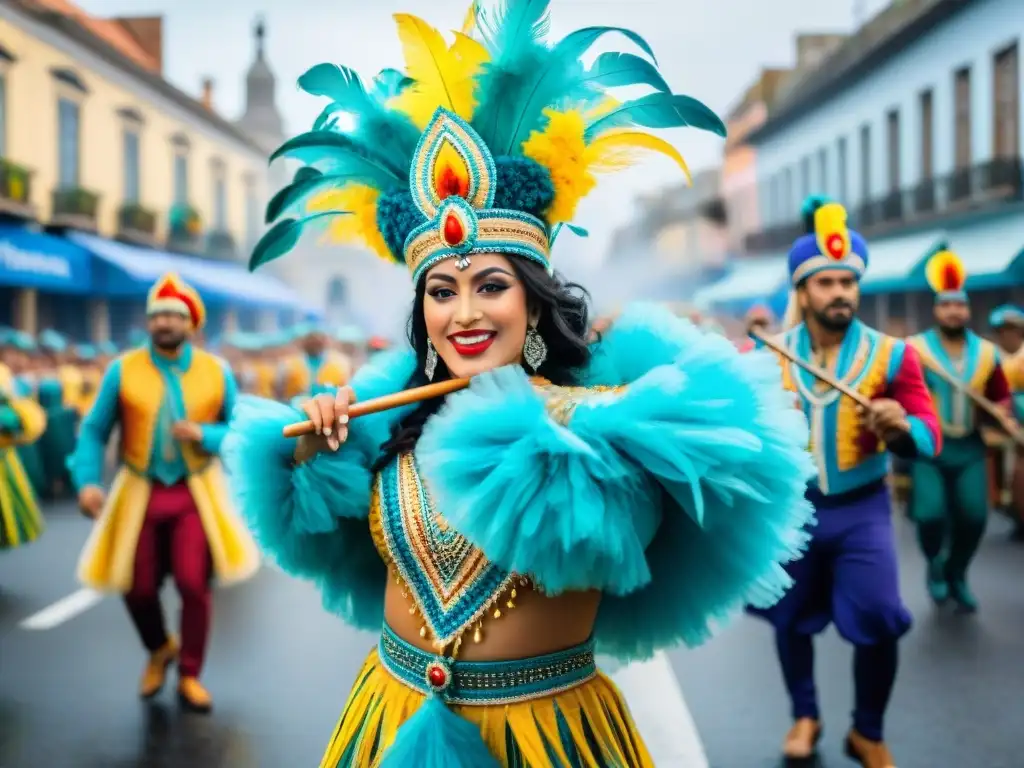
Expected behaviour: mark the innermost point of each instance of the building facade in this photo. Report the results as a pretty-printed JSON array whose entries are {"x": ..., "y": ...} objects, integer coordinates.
[
  {"x": 96, "y": 143},
  {"x": 915, "y": 125},
  {"x": 679, "y": 236}
]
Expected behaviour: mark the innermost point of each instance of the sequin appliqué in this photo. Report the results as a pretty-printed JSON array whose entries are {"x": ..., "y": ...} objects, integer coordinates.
[{"x": 451, "y": 580}]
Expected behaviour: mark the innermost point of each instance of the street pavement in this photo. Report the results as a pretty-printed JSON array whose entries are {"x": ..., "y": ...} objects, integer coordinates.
[{"x": 280, "y": 667}]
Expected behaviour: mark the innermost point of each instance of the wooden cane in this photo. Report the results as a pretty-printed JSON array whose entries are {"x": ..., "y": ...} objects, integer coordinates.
[
  {"x": 819, "y": 373},
  {"x": 1002, "y": 419},
  {"x": 386, "y": 403}
]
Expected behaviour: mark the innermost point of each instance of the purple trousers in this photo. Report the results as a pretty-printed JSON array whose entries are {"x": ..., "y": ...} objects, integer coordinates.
[{"x": 848, "y": 577}]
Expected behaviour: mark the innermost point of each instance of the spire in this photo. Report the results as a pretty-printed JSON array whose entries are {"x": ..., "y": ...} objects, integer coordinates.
[
  {"x": 261, "y": 33},
  {"x": 261, "y": 118}
]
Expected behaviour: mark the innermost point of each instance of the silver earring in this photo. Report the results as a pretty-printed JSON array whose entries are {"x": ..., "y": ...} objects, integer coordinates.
[
  {"x": 535, "y": 351},
  {"x": 430, "y": 365}
]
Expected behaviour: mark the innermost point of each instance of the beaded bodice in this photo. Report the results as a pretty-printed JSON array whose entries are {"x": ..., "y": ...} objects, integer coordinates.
[{"x": 450, "y": 582}]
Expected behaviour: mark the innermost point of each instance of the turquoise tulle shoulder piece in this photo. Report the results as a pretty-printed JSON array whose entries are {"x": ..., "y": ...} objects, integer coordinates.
[
  {"x": 680, "y": 497},
  {"x": 311, "y": 519}
]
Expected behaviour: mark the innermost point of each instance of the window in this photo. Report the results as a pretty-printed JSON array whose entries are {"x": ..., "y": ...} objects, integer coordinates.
[
  {"x": 823, "y": 171},
  {"x": 3, "y": 115},
  {"x": 787, "y": 195},
  {"x": 962, "y": 127},
  {"x": 131, "y": 165},
  {"x": 892, "y": 121},
  {"x": 220, "y": 203},
  {"x": 337, "y": 292},
  {"x": 1006, "y": 78},
  {"x": 841, "y": 191},
  {"x": 252, "y": 214},
  {"x": 68, "y": 135},
  {"x": 805, "y": 177},
  {"x": 865, "y": 163},
  {"x": 181, "y": 178},
  {"x": 927, "y": 135}
]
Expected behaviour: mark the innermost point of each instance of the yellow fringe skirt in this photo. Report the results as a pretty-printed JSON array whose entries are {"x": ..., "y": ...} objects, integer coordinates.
[
  {"x": 586, "y": 726},
  {"x": 20, "y": 518}
]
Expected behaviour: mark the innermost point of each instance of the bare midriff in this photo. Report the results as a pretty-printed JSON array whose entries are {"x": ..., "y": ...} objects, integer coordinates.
[{"x": 538, "y": 624}]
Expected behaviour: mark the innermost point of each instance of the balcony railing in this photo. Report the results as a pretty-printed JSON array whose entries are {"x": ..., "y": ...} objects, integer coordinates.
[
  {"x": 221, "y": 245},
  {"x": 980, "y": 187},
  {"x": 136, "y": 224},
  {"x": 75, "y": 207},
  {"x": 15, "y": 183},
  {"x": 185, "y": 232}
]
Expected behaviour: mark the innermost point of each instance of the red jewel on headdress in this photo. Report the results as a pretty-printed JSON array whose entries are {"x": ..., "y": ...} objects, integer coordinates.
[
  {"x": 834, "y": 246},
  {"x": 454, "y": 232}
]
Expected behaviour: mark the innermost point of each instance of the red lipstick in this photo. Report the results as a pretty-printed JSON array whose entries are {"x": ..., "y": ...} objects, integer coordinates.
[{"x": 472, "y": 343}]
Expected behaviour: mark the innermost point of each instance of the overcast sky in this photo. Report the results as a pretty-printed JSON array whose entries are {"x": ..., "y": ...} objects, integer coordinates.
[{"x": 710, "y": 49}]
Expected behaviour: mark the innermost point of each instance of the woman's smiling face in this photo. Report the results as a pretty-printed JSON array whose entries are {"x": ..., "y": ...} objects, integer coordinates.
[{"x": 477, "y": 317}]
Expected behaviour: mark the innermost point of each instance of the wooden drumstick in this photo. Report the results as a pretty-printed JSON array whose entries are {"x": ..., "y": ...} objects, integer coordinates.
[
  {"x": 819, "y": 373},
  {"x": 378, "y": 404}
]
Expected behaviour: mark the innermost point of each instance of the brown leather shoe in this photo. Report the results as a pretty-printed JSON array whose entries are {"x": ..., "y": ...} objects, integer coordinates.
[
  {"x": 193, "y": 696},
  {"x": 155, "y": 673},
  {"x": 802, "y": 740},
  {"x": 870, "y": 754}
]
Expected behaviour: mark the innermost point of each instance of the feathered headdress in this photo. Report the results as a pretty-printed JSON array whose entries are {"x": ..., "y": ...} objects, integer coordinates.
[
  {"x": 484, "y": 144},
  {"x": 946, "y": 276},
  {"x": 172, "y": 294},
  {"x": 828, "y": 244}
]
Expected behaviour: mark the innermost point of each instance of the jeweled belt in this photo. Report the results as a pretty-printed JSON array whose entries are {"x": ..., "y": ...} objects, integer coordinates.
[{"x": 486, "y": 682}]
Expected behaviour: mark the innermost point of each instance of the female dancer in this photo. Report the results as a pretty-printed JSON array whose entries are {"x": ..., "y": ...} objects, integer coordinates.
[{"x": 614, "y": 498}]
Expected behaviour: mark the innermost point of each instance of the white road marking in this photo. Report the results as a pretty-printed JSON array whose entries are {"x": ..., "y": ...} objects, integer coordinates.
[
  {"x": 63, "y": 610},
  {"x": 660, "y": 712}
]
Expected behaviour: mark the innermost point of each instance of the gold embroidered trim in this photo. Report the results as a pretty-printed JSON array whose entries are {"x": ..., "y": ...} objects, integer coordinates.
[{"x": 491, "y": 231}]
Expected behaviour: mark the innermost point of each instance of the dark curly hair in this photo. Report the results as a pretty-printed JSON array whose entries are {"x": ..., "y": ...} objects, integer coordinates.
[{"x": 563, "y": 324}]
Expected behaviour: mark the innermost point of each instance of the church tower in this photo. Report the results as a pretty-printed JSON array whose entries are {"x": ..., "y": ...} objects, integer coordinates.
[{"x": 261, "y": 119}]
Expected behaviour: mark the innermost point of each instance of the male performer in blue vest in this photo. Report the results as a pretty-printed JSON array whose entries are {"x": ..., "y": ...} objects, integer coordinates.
[{"x": 849, "y": 574}]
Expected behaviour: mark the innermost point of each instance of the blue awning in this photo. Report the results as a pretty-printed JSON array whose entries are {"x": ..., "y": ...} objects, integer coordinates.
[
  {"x": 37, "y": 260},
  {"x": 893, "y": 262},
  {"x": 135, "y": 269},
  {"x": 990, "y": 251},
  {"x": 749, "y": 281}
]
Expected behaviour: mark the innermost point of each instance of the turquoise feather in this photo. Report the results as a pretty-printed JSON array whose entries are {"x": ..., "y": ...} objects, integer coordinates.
[
  {"x": 284, "y": 236},
  {"x": 658, "y": 110},
  {"x": 436, "y": 737},
  {"x": 338, "y": 83},
  {"x": 611, "y": 70},
  {"x": 577, "y": 43},
  {"x": 294, "y": 198},
  {"x": 311, "y": 519},
  {"x": 331, "y": 152},
  {"x": 390, "y": 83},
  {"x": 517, "y": 26}
]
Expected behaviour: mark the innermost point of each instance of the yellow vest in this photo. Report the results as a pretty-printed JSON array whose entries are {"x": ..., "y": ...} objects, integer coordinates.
[
  {"x": 70, "y": 378},
  {"x": 142, "y": 395},
  {"x": 334, "y": 371}
]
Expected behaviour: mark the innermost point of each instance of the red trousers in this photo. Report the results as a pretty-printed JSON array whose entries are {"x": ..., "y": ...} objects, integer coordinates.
[{"x": 172, "y": 541}]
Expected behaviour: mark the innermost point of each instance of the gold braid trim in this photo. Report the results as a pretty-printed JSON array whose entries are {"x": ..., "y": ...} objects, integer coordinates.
[{"x": 849, "y": 423}]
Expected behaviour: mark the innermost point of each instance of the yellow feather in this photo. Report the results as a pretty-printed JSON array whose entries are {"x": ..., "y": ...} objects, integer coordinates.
[
  {"x": 471, "y": 53},
  {"x": 614, "y": 151},
  {"x": 441, "y": 78},
  {"x": 360, "y": 227},
  {"x": 470, "y": 22}
]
